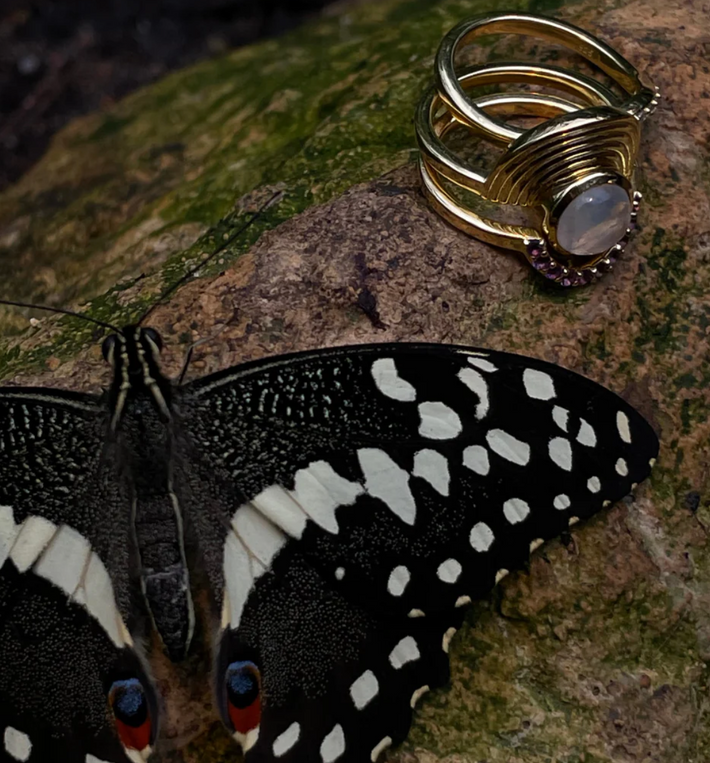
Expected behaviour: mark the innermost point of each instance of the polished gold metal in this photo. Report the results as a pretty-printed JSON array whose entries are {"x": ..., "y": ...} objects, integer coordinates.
[{"x": 587, "y": 136}]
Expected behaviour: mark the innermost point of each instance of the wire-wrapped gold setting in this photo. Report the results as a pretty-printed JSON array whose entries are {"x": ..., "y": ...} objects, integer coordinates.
[{"x": 586, "y": 138}]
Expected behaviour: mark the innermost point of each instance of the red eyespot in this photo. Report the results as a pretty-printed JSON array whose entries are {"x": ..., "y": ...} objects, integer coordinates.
[
  {"x": 130, "y": 709},
  {"x": 243, "y": 684}
]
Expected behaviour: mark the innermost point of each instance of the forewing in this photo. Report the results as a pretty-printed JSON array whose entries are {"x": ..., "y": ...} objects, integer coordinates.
[
  {"x": 408, "y": 479},
  {"x": 64, "y": 540}
]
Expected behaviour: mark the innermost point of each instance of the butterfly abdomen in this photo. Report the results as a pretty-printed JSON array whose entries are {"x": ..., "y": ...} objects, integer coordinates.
[
  {"x": 164, "y": 575},
  {"x": 145, "y": 438}
]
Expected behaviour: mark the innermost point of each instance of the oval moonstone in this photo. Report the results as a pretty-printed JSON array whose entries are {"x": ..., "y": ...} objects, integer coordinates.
[{"x": 594, "y": 221}]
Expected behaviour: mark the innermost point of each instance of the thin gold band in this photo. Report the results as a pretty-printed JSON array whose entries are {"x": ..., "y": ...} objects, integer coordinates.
[{"x": 583, "y": 143}]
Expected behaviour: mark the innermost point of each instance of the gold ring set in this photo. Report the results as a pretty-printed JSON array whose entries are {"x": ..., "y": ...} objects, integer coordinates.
[{"x": 573, "y": 169}]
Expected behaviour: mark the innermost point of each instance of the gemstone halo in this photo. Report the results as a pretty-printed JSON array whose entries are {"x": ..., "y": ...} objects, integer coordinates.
[{"x": 612, "y": 218}]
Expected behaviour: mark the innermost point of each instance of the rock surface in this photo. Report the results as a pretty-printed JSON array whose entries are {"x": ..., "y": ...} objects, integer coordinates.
[{"x": 600, "y": 653}]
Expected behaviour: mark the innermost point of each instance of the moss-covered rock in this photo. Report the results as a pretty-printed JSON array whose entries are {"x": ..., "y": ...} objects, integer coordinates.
[{"x": 599, "y": 654}]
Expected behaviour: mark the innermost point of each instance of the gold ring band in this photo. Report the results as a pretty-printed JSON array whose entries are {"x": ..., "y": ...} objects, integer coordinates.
[{"x": 575, "y": 168}]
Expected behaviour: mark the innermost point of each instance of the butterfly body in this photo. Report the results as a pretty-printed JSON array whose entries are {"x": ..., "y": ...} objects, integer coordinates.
[
  {"x": 142, "y": 431},
  {"x": 346, "y": 503}
]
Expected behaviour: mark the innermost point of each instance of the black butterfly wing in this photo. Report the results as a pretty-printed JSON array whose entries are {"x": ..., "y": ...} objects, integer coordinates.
[
  {"x": 358, "y": 497},
  {"x": 62, "y": 632},
  {"x": 338, "y": 681}
]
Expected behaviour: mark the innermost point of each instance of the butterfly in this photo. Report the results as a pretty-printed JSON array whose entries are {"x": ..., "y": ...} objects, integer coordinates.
[{"x": 345, "y": 505}]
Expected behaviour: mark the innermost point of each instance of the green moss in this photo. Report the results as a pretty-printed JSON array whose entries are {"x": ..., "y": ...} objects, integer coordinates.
[
  {"x": 546, "y": 7},
  {"x": 686, "y": 381},
  {"x": 693, "y": 413},
  {"x": 111, "y": 125},
  {"x": 668, "y": 258},
  {"x": 317, "y": 119}
]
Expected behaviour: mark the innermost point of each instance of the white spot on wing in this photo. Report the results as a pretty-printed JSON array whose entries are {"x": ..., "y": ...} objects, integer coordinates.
[
  {"x": 406, "y": 651},
  {"x": 17, "y": 744},
  {"x": 64, "y": 559},
  {"x": 561, "y": 453},
  {"x": 508, "y": 447},
  {"x": 238, "y": 578},
  {"x": 415, "y": 613},
  {"x": 449, "y": 571},
  {"x": 277, "y": 505},
  {"x": 462, "y": 601},
  {"x": 538, "y": 384},
  {"x": 364, "y": 689},
  {"x": 388, "y": 482},
  {"x": 257, "y": 568},
  {"x": 389, "y": 382},
  {"x": 622, "y": 424},
  {"x": 475, "y": 458},
  {"x": 319, "y": 491},
  {"x": 339, "y": 573},
  {"x": 561, "y": 417},
  {"x": 226, "y": 616},
  {"x": 501, "y": 574},
  {"x": 258, "y": 535},
  {"x": 622, "y": 468},
  {"x": 398, "y": 580},
  {"x": 479, "y": 386},
  {"x": 284, "y": 742},
  {"x": 484, "y": 365},
  {"x": 515, "y": 510},
  {"x": 594, "y": 485},
  {"x": 418, "y": 694},
  {"x": 34, "y": 535},
  {"x": 535, "y": 544},
  {"x": 586, "y": 435},
  {"x": 333, "y": 745},
  {"x": 431, "y": 466},
  {"x": 446, "y": 640},
  {"x": 8, "y": 532},
  {"x": 438, "y": 421},
  {"x": 561, "y": 501},
  {"x": 379, "y": 748},
  {"x": 248, "y": 740},
  {"x": 481, "y": 537},
  {"x": 100, "y": 601}
]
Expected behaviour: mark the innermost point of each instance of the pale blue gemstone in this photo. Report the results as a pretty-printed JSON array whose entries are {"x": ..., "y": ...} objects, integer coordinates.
[{"x": 596, "y": 220}]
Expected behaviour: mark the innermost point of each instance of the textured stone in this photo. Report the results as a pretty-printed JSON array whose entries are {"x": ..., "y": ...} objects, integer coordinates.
[
  {"x": 595, "y": 220},
  {"x": 601, "y": 653}
]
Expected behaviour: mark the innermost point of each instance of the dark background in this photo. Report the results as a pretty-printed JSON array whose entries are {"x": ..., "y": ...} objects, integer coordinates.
[{"x": 68, "y": 57}]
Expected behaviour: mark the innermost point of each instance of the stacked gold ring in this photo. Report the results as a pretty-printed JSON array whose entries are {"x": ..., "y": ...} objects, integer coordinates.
[{"x": 574, "y": 168}]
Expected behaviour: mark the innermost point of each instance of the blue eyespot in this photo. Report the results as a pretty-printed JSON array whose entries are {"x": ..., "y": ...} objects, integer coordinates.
[
  {"x": 242, "y": 679},
  {"x": 130, "y": 709},
  {"x": 129, "y": 702}
]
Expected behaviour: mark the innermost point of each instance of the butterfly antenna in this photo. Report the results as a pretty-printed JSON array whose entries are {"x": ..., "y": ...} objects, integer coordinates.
[
  {"x": 210, "y": 257},
  {"x": 62, "y": 311}
]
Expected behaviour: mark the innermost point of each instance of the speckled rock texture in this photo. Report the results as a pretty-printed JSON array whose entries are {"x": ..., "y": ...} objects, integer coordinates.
[{"x": 600, "y": 653}]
